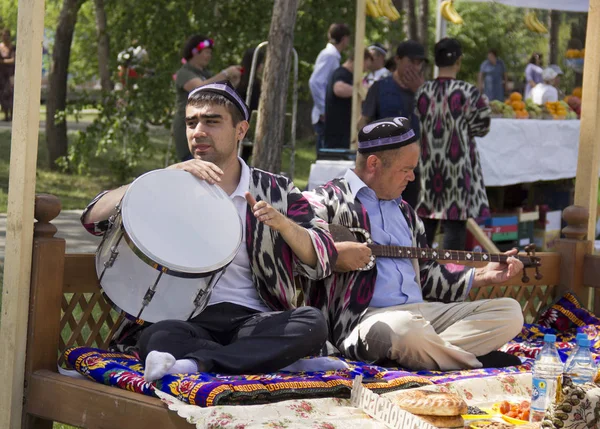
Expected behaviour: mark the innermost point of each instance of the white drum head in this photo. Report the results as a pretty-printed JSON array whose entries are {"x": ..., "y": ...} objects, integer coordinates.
[{"x": 181, "y": 222}]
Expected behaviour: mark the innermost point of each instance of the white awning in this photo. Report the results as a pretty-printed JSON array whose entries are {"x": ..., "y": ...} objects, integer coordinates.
[{"x": 566, "y": 5}]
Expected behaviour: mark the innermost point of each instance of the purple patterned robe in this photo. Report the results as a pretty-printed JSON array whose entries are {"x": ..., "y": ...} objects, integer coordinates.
[{"x": 452, "y": 114}]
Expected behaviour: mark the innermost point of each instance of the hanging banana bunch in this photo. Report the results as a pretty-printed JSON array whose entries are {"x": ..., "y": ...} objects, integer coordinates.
[
  {"x": 449, "y": 13},
  {"x": 379, "y": 8},
  {"x": 533, "y": 24}
]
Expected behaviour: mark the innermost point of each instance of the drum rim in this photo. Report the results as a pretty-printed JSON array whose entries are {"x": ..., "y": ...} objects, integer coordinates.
[{"x": 161, "y": 264}]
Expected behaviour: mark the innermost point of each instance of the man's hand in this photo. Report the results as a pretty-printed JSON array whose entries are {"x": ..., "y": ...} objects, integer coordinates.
[
  {"x": 351, "y": 256},
  {"x": 496, "y": 272},
  {"x": 203, "y": 170},
  {"x": 412, "y": 79},
  {"x": 267, "y": 214}
]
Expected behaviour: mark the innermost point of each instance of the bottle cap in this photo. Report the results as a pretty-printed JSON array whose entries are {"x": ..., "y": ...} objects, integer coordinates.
[
  {"x": 549, "y": 338},
  {"x": 583, "y": 342}
]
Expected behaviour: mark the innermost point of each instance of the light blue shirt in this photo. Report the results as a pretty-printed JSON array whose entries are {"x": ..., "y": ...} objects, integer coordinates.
[
  {"x": 396, "y": 282},
  {"x": 327, "y": 61}
]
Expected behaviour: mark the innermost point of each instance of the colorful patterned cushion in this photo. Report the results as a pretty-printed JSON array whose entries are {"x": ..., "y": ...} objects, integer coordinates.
[{"x": 567, "y": 313}]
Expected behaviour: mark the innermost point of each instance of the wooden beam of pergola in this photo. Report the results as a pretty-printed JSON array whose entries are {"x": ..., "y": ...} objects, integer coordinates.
[
  {"x": 586, "y": 185},
  {"x": 357, "y": 75},
  {"x": 21, "y": 194}
]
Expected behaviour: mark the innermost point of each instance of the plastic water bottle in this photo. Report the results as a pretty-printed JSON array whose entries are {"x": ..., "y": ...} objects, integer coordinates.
[
  {"x": 572, "y": 353},
  {"x": 547, "y": 372},
  {"x": 580, "y": 367}
]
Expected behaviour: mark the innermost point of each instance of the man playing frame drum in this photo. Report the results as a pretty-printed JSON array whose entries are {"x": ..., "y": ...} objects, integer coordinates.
[{"x": 250, "y": 324}]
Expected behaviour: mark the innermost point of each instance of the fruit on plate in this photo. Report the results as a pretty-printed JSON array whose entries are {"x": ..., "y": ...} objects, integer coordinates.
[
  {"x": 577, "y": 92},
  {"x": 515, "y": 96}
]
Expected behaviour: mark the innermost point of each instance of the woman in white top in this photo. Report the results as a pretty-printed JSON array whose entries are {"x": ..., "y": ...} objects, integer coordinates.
[{"x": 545, "y": 91}]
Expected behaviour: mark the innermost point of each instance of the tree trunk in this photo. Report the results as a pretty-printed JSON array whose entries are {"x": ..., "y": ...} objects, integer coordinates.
[
  {"x": 103, "y": 46},
  {"x": 56, "y": 131},
  {"x": 553, "y": 27},
  {"x": 270, "y": 128},
  {"x": 424, "y": 23},
  {"x": 410, "y": 20}
]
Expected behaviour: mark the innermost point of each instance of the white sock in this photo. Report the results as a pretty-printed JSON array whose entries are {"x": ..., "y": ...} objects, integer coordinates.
[{"x": 157, "y": 365}]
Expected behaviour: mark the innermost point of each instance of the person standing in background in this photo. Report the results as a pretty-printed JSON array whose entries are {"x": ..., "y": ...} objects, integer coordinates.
[
  {"x": 7, "y": 74},
  {"x": 378, "y": 59},
  {"x": 338, "y": 103},
  {"x": 533, "y": 73},
  {"x": 327, "y": 61},
  {"x": 196, "y": 55},
  {"x": 492, "y": 77},
  {"x": 452, "y": 114},
  {"x": 394, "y": 96}
]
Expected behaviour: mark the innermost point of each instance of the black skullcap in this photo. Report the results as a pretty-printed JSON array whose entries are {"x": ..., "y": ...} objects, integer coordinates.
[
  {"x": 225, "y": 89},
  {"x": 385, "y": 134}
]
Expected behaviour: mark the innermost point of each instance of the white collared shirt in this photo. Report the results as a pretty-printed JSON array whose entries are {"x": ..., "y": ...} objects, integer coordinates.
[
  {"x": 236, "y": 285},
  {"x": 327, "y": 61},
  {"x": 377, "y": 75}
]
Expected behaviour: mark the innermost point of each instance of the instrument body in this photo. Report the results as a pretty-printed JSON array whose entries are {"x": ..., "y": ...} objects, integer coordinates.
[{"x": 170, "y": 240}]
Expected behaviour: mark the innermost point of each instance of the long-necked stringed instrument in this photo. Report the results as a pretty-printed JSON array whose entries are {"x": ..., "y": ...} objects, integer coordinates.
[{"x": 341, "y": 233}]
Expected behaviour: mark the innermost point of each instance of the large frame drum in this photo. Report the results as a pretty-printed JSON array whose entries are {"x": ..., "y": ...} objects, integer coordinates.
[{"x": 171, "y": 239}]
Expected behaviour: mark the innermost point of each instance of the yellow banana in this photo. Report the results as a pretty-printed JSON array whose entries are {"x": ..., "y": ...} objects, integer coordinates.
[
  {"x": 449, "y": 13},
  {"x": 390, "y": 11},
  {"x": 377, "y": 4},
  {"x": 386, "y": 7},
  {"x": 395, "y": 11},
  {"x": 527, "y": 21},
  {"x": 539, "y": 26},
  {"x": 371, "y": 10}
]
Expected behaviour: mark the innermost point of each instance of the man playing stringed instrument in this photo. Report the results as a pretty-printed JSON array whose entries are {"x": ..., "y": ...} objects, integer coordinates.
[
  {"x": 251, "y": 323},
  {"x": 406, "y": 311}
]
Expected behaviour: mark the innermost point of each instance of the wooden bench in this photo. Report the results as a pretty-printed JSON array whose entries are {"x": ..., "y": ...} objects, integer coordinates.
[{"x": 67, "y": 309}]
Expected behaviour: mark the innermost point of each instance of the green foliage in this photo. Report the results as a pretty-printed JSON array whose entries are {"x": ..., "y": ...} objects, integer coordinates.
[{"x": 495, "y": 26}]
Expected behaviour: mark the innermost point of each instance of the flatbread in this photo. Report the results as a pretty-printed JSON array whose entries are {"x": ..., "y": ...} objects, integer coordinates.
[
  {"x": 427, "y": 403},
  {"x": 444, "y": 421}
]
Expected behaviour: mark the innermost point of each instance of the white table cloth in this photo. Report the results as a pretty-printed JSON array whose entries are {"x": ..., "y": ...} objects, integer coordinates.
[{"x": 528, "y": 150}]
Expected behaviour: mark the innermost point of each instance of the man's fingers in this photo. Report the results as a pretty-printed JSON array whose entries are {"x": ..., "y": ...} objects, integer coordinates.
[{"x": 250, "y": 199}]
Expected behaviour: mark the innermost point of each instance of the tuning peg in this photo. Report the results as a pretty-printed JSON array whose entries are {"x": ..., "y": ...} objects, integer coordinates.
[
  {"x": 538, "y": 276},
  {"x": 525, "y": 277}
]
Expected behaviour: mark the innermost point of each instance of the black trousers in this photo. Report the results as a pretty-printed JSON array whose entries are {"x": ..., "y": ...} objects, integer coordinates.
[
  {"x": 232, "y": 339},
  {"x": 455, "y": 233}
]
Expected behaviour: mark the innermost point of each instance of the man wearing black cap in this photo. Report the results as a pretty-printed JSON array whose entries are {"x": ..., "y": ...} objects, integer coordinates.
[
  {"x": 452, "y": 113},
  {"x": 251, "y": 323},
  {"x": 395, "y": 96},
  {"x": 404, "y": 310}
]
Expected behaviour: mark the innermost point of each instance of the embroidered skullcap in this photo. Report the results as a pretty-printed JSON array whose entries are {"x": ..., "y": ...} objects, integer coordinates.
[
  {"x": 385, "y": 134},
  {"x": 225, "y": 89}
]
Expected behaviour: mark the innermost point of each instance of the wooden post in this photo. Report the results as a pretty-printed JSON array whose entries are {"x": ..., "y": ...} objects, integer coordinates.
[
  {"x": 47, "y": 272},
  {"x": 359, "y": 48},
  {"x": 586, "y": 185},
  {"x": 572, "y": 251},
  {"x": 19, "y": 231},
  {"x": 440, "y": 30}
]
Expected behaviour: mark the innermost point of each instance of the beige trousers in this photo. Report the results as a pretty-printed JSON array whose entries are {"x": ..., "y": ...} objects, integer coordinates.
[{"x": 436, "y": 336}]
